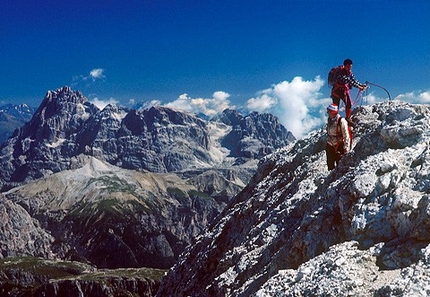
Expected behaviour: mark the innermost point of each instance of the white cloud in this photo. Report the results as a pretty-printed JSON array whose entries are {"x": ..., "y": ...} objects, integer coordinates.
[
  {"x": 103, "y": 103},
  {"x": 298, "y": 104},
  {"x": 425, "y": 97},
  {"x": 149, "y": 104},
  {"x": 371, "y": 99},
  {"x": 415, "y": 97},
  {"x": 262, "y": 103},
  {"x": 207, "y": 106},
  {"x": 97, "y": 73}
]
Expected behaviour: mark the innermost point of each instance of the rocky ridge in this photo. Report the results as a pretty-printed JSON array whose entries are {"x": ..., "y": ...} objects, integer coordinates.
[{"x": 299, "y": 230}]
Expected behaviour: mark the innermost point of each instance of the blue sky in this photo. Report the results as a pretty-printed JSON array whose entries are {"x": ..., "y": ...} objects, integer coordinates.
[{"x": 203, "y": 56}]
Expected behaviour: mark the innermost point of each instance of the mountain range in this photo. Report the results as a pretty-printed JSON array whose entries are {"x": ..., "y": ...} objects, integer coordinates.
[
  {"x": 122, "y": 188},
  {"x": 158, "y": 139},
  {"x": 234, "y": 207}
]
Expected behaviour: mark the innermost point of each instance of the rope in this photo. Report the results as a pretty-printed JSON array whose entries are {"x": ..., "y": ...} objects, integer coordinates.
[
  {"x": 357, "y": 98},
  {"x": 376, "y": 85}
]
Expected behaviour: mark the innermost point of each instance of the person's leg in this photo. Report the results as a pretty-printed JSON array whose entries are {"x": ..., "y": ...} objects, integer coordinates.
[
  {"x": 335, "y": 100},
  {"x": 331, "y": 156},
  {"x": 348, "y": 106},
  {"x": 338, "y": 153}
]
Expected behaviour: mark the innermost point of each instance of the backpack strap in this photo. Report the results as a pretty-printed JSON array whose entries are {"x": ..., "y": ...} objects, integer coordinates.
[{"x": 338, "y": 125}]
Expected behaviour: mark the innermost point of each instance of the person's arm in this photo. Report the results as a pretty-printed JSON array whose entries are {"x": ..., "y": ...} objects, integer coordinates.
[{"x": 351, "y": 81}]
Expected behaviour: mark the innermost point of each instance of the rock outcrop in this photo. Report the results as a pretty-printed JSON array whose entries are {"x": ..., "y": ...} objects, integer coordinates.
[
  {"x": 21, "y": 234},
  {"x": 299, "y": 230}
]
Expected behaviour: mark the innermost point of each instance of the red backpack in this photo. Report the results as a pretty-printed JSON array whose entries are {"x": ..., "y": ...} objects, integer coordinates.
[{"x": 332, "y": 75}]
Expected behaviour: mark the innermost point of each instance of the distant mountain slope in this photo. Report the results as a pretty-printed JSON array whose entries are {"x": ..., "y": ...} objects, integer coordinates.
[
  {"x": 105, "y": 215},
  {"x": 299, "y": 230},
  {"x": 28, "y": 276},
  {"x": 13, "y": 117}
]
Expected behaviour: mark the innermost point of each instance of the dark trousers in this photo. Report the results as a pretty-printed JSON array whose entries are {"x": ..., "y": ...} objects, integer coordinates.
[
  {"x": 334, "y": 154},
  {"x": 346, "y": 98}
]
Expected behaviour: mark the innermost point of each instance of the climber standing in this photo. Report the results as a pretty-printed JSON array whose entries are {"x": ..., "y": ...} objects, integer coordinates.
[
  {"x": 344, "y": 80},
  {"x": 338, "y": 136}
]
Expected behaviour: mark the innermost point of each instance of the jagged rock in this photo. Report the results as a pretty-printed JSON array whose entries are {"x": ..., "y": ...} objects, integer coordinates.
[
  {"x": 253, "y": 136},
  {"x": 296, "y": 228},
  {"x": 21, "y": 234},
  {"x": 346, "y": 270}
]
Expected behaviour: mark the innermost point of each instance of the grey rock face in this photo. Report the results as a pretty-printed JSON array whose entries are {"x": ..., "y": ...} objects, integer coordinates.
[
  {"x": 21, "y": 234},
  {"x": 299, "y": 230},
  {"x": 255, "y": 135}
]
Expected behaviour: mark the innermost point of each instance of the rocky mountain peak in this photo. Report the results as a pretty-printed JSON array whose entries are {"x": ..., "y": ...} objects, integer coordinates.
[
  {"x": 61, "y": 101},
  {"x": 229, "y": 117},
  {"x": 61, "y": 113},
  {"x": 299, "y": 230},
  {"x": 254, "y": 135},
  {"x": 164, "y": 115}
]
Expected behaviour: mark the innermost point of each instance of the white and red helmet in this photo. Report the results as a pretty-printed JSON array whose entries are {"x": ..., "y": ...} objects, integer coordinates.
[{"x": 333, "y": 107}]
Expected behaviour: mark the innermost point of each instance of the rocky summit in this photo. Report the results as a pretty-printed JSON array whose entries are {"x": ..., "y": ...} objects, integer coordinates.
[{"x": 297, "y": 229}]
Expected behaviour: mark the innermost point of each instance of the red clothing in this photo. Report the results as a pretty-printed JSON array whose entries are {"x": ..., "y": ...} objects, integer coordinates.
[{"x": 345, "y": 80}]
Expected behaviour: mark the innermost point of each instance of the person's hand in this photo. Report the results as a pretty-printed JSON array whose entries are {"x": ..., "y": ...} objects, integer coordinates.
[{"x": 363, "y": 87}]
